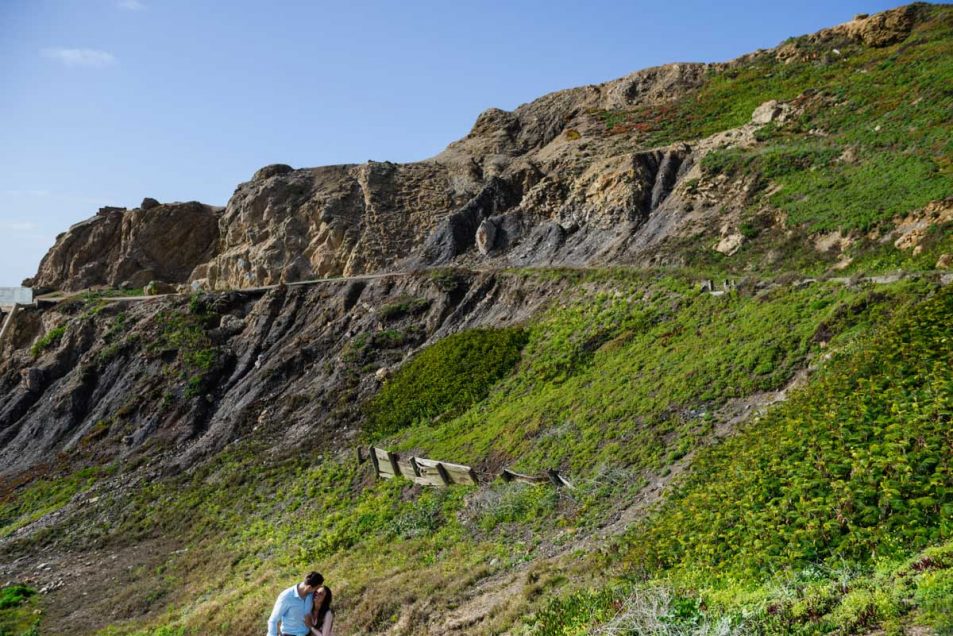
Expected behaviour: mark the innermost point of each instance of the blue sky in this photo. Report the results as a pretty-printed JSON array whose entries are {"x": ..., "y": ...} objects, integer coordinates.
[{"x": 103, "y": 102}]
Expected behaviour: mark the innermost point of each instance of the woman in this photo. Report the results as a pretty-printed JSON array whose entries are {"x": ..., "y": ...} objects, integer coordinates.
[{"x": 321, "y": 618}]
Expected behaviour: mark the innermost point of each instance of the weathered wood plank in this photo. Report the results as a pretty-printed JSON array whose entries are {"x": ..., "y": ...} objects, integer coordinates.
[
  {"x": 432, "y": 472},
  {"x": 386, "y": 463},
  {"x": 407, "y": 467},
  {"x": 429, "y": 475},
  {"x": 558, "y": 480},
  {"x": 374, "y": 463},
  {"x": 510, "y": 475},
  {"x": 455, "y": 473}
]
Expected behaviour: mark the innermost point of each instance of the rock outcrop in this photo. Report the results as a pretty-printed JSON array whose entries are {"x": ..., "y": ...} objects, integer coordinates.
[
  {"x": 112, "y": 384},
  {"x": 557, "y": 181},
  {"x": 289, "y": 225},
  {"x": 116, "y": 247}
]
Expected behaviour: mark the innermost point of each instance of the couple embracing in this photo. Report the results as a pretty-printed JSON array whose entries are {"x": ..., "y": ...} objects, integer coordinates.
[{"x": 303, "y": 609}]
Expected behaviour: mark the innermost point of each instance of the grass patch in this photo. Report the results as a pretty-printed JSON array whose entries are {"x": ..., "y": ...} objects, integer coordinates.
[
  {"x": 447, "y": 377},
  {"x": 18, "y": 613},
  {"x": 403, "y": 306},
  {"x": 50, "y": 339},
  {"x": 42, "y": 497}
]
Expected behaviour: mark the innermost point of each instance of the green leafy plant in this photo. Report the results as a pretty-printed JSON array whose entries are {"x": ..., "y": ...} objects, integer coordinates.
[
  {"x": 444, "y": 378},
  {"x": 50, "y": 339}
]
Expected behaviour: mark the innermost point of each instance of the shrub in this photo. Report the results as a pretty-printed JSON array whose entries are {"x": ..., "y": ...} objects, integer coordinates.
[
  {"x": 15, "y": 595},
  {"x": 49, "y": 339},
  {"x": 403, "y": 306},
  {"x": 445, "y": 378}
]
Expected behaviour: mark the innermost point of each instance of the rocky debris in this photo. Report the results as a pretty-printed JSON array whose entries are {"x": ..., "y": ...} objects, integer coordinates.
[
  {"x": 164, "y": 243},
  {"x": 912, "y": 229},
  {"x": 836, "y": 241},
  {"x": 945, "y": 261}
]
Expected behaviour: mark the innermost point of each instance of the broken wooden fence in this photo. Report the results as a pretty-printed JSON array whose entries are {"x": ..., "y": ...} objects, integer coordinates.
[{"x": 431, "y": 472}]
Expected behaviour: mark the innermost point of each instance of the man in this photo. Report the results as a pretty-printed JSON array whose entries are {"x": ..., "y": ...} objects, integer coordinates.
[{"x": 292, "y": 606}]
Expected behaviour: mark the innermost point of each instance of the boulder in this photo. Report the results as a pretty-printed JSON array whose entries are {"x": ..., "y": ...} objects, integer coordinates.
[
  {"x": 272, "y": 170},
  {"x": 769, "y": 111},
  {"x": 148, "y": 203},
  {"x": 486, "y": 236},
  {"x": 729, "y": 244},
  {"x": 157, "y": 287}
]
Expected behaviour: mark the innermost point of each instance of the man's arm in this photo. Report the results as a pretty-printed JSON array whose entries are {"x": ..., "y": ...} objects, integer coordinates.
[{"x": 276, "y": 615}]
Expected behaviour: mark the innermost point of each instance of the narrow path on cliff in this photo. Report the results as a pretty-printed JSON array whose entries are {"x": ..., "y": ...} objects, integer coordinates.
[{"x": 944, "y": 278}]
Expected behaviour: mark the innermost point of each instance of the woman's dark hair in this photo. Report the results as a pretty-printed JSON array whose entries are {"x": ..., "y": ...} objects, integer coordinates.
[{"x": 324, "y": 609}]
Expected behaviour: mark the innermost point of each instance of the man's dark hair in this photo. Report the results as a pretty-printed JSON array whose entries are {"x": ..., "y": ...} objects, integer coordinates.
[{"x": 314, "y": 579}]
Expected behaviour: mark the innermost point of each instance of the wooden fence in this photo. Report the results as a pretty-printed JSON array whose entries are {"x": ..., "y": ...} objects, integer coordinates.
[{"x": 431, "y": 472}]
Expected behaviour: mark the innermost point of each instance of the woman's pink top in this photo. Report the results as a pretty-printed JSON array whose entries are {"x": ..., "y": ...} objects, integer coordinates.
[{"x": 325, "y": 628}]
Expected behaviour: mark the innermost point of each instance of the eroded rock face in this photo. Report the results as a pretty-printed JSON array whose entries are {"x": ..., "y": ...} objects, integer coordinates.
[
  {"x": 277, "y": 360},
  {"x": 162, "y": 242},
  {"x": 292, "y": 225},
  {"x": 884, "y": 29},
  {"x": 878, "y": 30},
  {"x": 516, "y": 189},
  {"x": 549, "y": 183}
]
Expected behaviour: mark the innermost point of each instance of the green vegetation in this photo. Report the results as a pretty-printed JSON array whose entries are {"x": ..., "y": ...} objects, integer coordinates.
[
  {"x": 368, "y": 350},
  {"x": 50, "y": 339},
  {"x": 806, "y": 521},
  {"x": 858, "y": 465},
  {"x": 448, "y": 279},
  {"x": 403, "y": 306},
  {"x": 15, "y": 596},
  {"x": 445, "y": 378},
  {"x": 873, "y": 141},
  {"x": 42, "y": 497},
  {"x": 615, "y": 385},
  {"x": 184, "y": 333},
  {"x": 813, "y": 600},
  {"x": 18, "y": 616},
  {"x": 634, "y": 376}
]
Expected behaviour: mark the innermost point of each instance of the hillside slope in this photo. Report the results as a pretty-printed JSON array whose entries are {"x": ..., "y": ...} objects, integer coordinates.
[{"x": 772, "y": 459}]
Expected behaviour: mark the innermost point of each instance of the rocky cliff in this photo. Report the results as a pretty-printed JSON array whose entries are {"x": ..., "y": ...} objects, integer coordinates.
[{"x": 586, "y": 176}]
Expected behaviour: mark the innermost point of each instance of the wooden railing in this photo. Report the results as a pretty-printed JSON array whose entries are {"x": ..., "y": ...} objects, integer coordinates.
[{"x": 431, "y": 472}]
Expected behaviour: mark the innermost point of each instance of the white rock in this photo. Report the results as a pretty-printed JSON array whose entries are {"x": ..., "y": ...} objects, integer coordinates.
[
  {"x": 766, "y": 112},
  {"x": 730, "y": 244}
]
